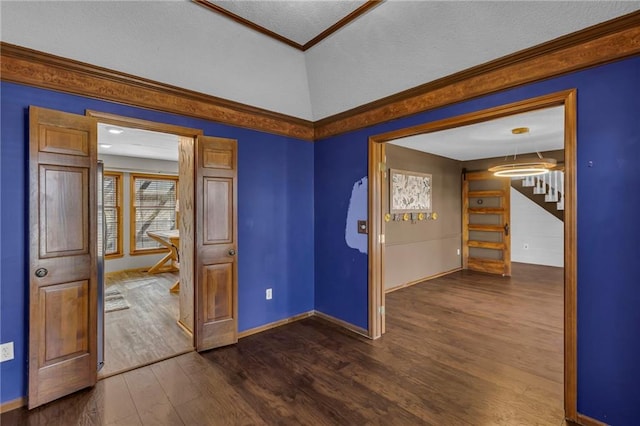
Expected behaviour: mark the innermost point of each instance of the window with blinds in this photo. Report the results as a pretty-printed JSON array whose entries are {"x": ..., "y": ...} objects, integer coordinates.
[
  {"x": 112, "y": 207},
  {"x": 153, "y": 208}
]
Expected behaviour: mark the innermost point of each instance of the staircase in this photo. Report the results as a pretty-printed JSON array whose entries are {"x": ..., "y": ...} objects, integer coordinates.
[{"x": 545, "y": 190}]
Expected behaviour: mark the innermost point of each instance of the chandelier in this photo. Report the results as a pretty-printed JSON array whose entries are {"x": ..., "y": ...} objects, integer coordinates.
[{"x": 521, "y": 167}]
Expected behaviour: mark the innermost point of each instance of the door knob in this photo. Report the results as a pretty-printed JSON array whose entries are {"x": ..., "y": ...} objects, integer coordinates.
[
  {"x": 506, "y": 229},
  {"x": 232, "y": 252},
  {"x": 41, "y": 272}
]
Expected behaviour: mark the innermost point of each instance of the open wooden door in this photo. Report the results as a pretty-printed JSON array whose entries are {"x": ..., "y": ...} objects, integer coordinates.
[
  {"x": 216, "y": 276},
  {"x": 486, "y": 239},
  {"x": 62, "y": 254}
]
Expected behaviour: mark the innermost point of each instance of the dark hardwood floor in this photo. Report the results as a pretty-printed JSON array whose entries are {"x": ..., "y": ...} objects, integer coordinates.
[
  {"x": 148, "y": 330},
  {"x": 464, "y": 349}
]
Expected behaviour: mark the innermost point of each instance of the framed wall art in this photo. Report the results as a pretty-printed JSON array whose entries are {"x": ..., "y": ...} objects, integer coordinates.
[{"x": 410, "y": 192}]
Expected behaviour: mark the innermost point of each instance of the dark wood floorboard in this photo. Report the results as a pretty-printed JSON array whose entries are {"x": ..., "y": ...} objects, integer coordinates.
[
  {"x": 148, "y": 330},
  {"x": 464, "y": 349}
]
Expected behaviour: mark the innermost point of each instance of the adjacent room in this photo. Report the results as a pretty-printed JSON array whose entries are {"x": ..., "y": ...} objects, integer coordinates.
[
  {"x": 141, "y": 277},
  {"x": 473, "y": 263}
]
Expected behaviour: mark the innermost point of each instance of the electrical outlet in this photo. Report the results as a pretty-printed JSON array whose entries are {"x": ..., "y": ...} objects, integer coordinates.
[
  {"x": 6, "y": 351},
  {"x": 525, "y": 246},
  {"x": 458, "y": 252},
  {"x": 269, "y": 294}
]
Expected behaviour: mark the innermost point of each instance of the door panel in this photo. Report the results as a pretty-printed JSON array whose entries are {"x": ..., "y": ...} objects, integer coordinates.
[
  {"x": 64, "y": 223},
  {"x": 216, "y": 236},
  {"x": 62, "y": 254},
  {"x": 486, "y": 238},
  {"x": 218, "y": 289},
  {"x": 63, "y": 141},
  {"x": 218, "y": 200},
  {"x": 64, "y": 312},
  {"x": 217, "y": 159}
]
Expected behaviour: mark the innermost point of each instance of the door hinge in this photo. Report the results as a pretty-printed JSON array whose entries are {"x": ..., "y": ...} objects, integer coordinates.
[
  {"x": 381, "y": 239},
  {"x": 383, "y": 166},
  {"x": 381, "y": 310}
]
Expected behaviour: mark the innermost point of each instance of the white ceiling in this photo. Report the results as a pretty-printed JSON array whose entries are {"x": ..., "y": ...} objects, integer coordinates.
[
  {"x": 299, "y": 21},
  {"x": 393, "y": 47},
  {"x": 137, "y": 143},
  {"x": 403, "y": 44},
  {"x": 481, "y": 140},
  {"x": 494, "y": 138}
]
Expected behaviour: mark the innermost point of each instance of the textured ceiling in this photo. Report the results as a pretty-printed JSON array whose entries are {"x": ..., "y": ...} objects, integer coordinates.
[
  {"x": 393, "y": 47},
  {"x": 494, "y": 138},
  {"x": 403, "y": 44},
  {"x": 299, "y": 21}
]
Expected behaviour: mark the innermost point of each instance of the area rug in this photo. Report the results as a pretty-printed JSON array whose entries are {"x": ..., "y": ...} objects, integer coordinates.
[{"x": 114, "y": 300}]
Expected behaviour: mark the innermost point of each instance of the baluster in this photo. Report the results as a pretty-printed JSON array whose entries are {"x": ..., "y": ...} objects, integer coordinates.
[
  {"x": 552, "y": 196},
  {"x": 560, "y": 204},
  {"x": 539, "y": 189}
]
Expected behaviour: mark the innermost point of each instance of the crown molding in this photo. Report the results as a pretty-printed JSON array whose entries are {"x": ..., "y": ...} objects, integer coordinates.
[
  {"x": 606, "y": 42},
  {"x": 369, "y": 4},
  {"x": 39, "y": 69}
]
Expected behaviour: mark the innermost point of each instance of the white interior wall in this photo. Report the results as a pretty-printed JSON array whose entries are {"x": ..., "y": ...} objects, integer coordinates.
[
  {"x": 128, "y": 165},
  {"x": 174, "y": 42},
  {"x": 539, "y": 230},
  {"x": 403, "y": 44},
  {"x": 393, "y": 47}
]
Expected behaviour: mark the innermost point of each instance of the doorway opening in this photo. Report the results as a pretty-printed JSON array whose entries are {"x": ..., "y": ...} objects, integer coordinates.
[
  {"x": 381, "y": 220},
  {"x": 147, "y": 239}
]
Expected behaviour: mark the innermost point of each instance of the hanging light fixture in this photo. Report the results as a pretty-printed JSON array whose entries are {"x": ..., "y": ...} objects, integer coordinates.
[{"x": 524, "y": 166}]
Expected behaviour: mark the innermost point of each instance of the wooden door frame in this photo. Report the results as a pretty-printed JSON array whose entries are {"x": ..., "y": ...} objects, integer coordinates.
[
  {"x": 118, "y": 120},
  {"x": 567, "y": 98}
]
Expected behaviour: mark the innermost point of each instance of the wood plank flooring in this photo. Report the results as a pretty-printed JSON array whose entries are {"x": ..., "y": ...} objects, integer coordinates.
[
  {"x": 148, "y": 330},
  {"x": 464, "y": 349}
]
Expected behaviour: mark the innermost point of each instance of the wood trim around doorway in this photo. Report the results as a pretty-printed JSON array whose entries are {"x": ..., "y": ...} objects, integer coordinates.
[
  {"x": 376, "y": 225},
  {"x": 186, "y": 195}
]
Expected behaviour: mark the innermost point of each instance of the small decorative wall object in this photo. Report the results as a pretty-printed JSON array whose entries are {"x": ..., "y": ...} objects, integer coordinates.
[
  {"x": 434, "y": 216},
  {"x": 405, "y": 216},
  {"x": 410, "y": 192},
  {"x": 420, "y": 216},
  {"x": 387, "y": 217}
]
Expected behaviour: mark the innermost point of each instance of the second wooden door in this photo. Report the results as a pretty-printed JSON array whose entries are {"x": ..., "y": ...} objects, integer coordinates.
[{"x": 486, "y": 233}]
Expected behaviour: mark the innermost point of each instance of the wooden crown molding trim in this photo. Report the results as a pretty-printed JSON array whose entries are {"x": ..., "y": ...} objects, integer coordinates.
[
  {"x": 606, "y": 42},
  {"x": 326, "y": 33},
  {"x": 370, "y": 4},
  {"x": 30, "y": 67},
  {"x": 239, "y": 19}
]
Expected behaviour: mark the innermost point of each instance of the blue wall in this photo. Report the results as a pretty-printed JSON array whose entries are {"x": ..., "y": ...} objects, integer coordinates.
[
  {"x": 608, "y": 228},
  {"x": 275, "y": 219},
  {"x": 276, "y": 224}
]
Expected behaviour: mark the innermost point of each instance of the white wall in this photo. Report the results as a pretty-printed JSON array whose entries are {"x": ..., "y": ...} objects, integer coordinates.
[
  {"x": 174, "y": 42},
  {"x": 542, "y": 232},
  {"x": 128, "y": 165},
  {"x": 403, "y": 44},
  {"x": 393, "y": 47}
]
